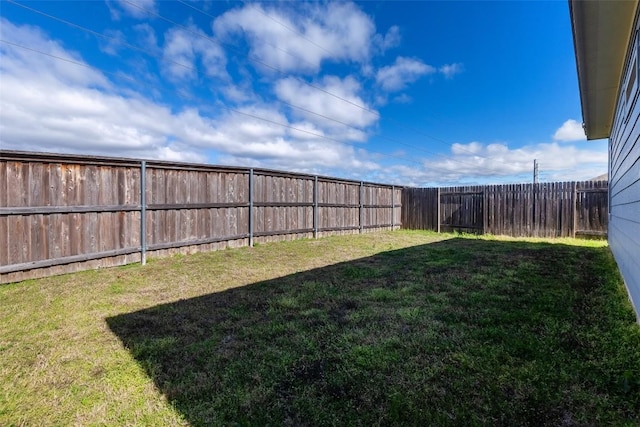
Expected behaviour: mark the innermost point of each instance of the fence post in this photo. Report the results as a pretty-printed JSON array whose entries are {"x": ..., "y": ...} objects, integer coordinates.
[
  {"x": 575, "y": 208},
  {"x": 250, "y": 207},
  {"x": 485, "y": 214},
  {"x": 315, "y": 207},
  {"x": 535, "y": 218},
  {"x": 438, "y": 209},
  {"x": 393, "y": 207},
  {"x": 361, "y": 206},
  {"x": 143, "y": 212}
]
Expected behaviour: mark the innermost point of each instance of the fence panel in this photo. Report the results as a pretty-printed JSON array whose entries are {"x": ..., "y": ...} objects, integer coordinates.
[
  {"x": 378, "y": 206},
  {"x": 557, "y": 209},
  {"x": 592, "y": 208},
  {"x": 461, "y": 209},
  {"x": 56, "y": 212},
  {"x": 190, "y": 207},
  {"x": 419, "y": 209},
  {"x": 64, "y": 213},
  {"x": 338, "y": 206},
  {"x": 283, "y": 205}
]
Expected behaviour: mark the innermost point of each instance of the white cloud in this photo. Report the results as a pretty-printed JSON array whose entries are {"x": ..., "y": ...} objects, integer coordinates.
[
  {"x": 147, "y": 36},
  {"x": 489, "y": 162},
  {"x": 403, "y": 98},
  {"x": 181, "y": 50},
  {"x": 450, "y": 70},
  {"x": 339, "y": 107},
  {"x": 31, "y": 65},
  {"x": 179, "y": 55},
  {"x": 570, "y": 131},
  {"x": 466, "y": 149},
  {"x": 240, "y": 93},
  {"x": 49, "y": 105},
  {"x": 135, "y": 8},
  {"x": 112, "y": 45},
  {"x": 247, "y": 141},
  {"x": 321, "y": 31},
  {"x": 390, "y": 40},
  {"x": 81, "y": 120},
  {"x": 403, "y": 72}
]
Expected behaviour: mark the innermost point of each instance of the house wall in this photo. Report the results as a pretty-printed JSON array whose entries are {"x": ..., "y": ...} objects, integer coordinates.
[{"x": 624, "y": 174}]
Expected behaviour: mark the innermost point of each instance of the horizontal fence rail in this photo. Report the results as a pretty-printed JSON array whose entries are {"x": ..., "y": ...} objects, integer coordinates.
[
  {"x": 556, "y": 209},
  {"x": 65, "y": 213}
]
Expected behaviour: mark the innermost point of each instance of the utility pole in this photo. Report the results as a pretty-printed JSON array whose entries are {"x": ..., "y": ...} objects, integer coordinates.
[{"x": 535, "y": 171}]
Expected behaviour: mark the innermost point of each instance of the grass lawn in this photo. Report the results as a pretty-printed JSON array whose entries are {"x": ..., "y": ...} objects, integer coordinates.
[{"x": 398, "y": 328}]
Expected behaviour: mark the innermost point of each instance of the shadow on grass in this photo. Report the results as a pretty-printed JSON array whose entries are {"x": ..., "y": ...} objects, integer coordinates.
[{"x": 462, "y": 331}]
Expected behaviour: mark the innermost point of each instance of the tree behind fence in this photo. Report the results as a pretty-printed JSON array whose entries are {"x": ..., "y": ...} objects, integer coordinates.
[
  {"x": 64, "y": 213},
  {"x": 556, "y": 209}
]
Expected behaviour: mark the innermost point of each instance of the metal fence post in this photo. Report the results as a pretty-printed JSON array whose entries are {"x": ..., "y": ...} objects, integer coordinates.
[
  {"x": 143, "y": 212},
  {"x": 315, "y": 207},
  {"x": 251, "y": 207},
  {"x": 361, "y": 206}
]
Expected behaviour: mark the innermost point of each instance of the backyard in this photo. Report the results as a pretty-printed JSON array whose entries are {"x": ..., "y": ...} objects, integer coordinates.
[{"x": 393, "y": 328}]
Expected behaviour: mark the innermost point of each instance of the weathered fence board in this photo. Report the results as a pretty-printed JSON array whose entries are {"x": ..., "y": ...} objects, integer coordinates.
[
  {"x": 420, "y": 208},
  {"x": 283, "y": 204},
  {"x": 65, "y": 213},
  {"x": 461, "y": 209},
  {"x": 592, "y": 209},
  {"x": 556, "y": 209}
]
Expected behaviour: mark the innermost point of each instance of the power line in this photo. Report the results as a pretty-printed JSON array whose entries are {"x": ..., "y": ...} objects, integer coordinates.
[
  {"x": 397, "y": 141},
  {"x": 70, "y": 61},
  {"x": 293, "y": 30},
  {"x": 117, "y": 40},
  {"x": 128, "y": 45},
  {"x": 95, "y": 33},
  {"x": 250, "y": 57},
  {"x": 301, "y": 35},
  {"x": 270, "y": 44},
  {"x": 118, "y": 75},
  {"x": 222, "y": 106},
  {"x": 136, "y": 48},
  {"x": 143, "y": 51}
]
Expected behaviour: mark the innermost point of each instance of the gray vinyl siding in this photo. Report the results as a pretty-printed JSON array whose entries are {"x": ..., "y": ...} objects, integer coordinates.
[{"x": 624, "y": 177}]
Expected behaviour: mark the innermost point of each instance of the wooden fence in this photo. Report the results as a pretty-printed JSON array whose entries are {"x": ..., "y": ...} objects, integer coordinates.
[
  {"x": 557, "y": 209},
  {"x": 63, "y": 213}
]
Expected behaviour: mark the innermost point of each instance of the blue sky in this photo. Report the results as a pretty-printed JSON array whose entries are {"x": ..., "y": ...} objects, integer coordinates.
[{"x": 412, "y": 93}]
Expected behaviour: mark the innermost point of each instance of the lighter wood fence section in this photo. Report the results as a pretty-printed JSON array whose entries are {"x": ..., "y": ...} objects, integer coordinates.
[
  {"x": 282, "y": 205},
  {"x": 557, "y": 209},
  {"x": 61, "y": 214}
]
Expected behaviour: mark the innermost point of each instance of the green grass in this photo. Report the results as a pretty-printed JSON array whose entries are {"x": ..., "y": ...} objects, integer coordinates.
[{"x": 402, "y": 328}]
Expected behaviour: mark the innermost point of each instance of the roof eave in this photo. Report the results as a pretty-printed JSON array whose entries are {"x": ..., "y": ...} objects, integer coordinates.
[{"x": 601, "y": 35}]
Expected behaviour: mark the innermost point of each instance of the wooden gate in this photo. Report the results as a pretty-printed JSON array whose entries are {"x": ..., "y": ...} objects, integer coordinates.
[{"x": 461, "y": 211}]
